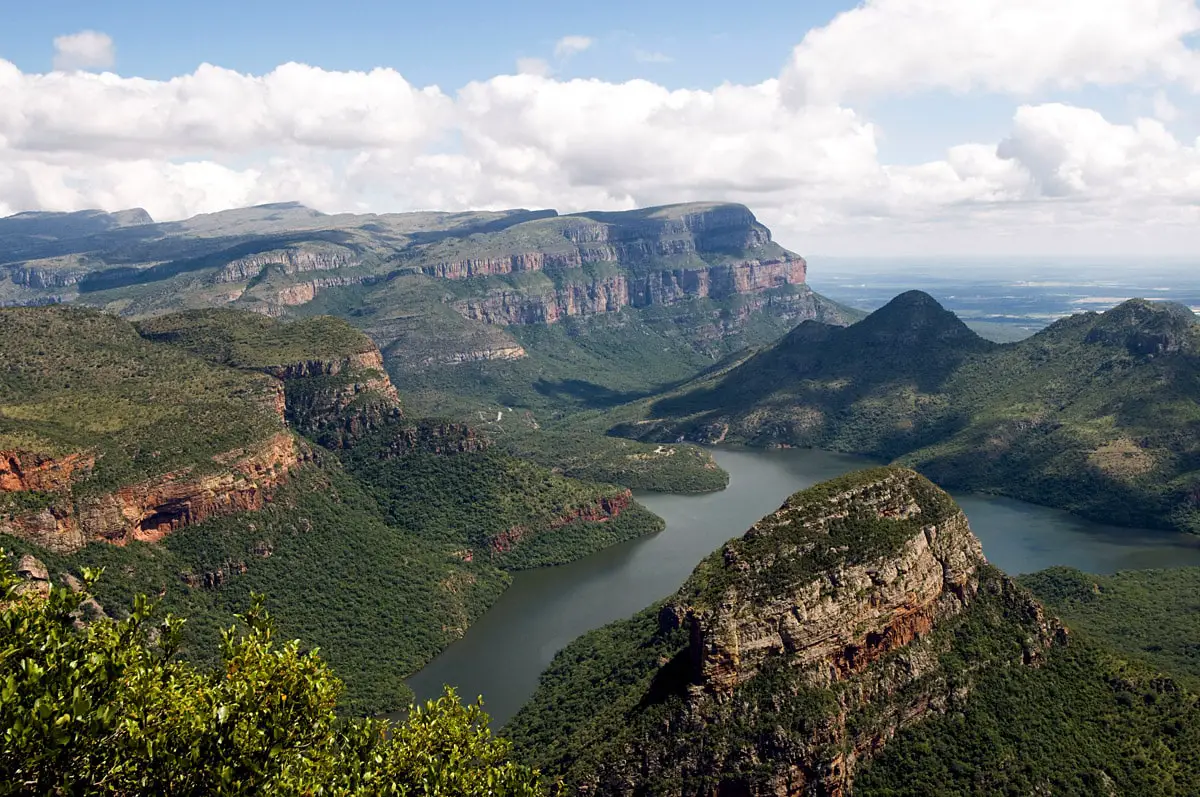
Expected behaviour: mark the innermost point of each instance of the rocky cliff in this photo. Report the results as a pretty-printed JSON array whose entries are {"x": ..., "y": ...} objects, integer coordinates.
[
  {"x": 335, "y": 386},
  {"x": 799, "y": 649},
  {"x": 236, "y": 481},
  {"x": 609, "y": 294}
]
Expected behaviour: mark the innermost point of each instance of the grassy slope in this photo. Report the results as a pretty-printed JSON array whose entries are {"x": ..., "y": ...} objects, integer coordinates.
[
  {"x": 1147, "y": 615},
  {"x": 366, "y": 562},
  {"x": 249, "y": 340}
]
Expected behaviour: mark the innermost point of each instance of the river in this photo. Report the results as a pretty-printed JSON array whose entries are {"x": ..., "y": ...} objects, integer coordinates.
[{"x": 503, "y": 653}]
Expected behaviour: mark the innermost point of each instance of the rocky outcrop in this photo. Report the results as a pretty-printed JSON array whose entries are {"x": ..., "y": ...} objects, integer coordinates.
[
  {"x": 431, "y": 436},
  {"x": 812, "y": 639},
  {"x": 290, "y": 261},
  {"x": 476, "y": 356},
  {"x": 338, "y": 401},
  {"x": 28, "y": 471},
  {"x": 599, "y": 511},
  {"x": 240, "y": 480},
  {"x": 612, "y": 293}
]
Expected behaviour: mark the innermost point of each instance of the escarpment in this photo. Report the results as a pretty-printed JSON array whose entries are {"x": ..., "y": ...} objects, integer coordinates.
[
  {"x": 336, "y": 389},
  {"x": 794, "y": 652},
  {"x": 239, "y": 480}
]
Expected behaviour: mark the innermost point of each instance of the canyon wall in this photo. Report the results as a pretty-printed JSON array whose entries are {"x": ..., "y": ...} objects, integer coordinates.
[
  {"x": 808, "y": 642},
  {"x": 236, "y": 481}
]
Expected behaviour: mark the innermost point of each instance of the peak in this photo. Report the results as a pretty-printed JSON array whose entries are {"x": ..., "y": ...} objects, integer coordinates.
[
  {"x": 913, "y": 300},
  {"x": 915, "y": 317},
  {"x": 862, "y": 516},
  {"x": 1144, "y": 327}
]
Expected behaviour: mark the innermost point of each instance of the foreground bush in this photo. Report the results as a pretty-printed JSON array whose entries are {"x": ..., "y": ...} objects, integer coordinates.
[{"x": 108, "y": 707}]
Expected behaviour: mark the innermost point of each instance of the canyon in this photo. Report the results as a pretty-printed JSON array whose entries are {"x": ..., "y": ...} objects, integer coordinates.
[{"x": 794, "y": 653}]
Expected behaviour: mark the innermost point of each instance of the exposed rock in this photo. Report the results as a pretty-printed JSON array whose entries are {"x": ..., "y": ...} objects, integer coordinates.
[
  {"x": 337, "y": 402},
  {"x": 843, "y": 601},
  {"x": 612, "y": 293},
  {"x": 477, "y": 355},
  {"x": 600, "y": 511},
  {"x": 433, "y": 437},
  {"x": 150, "y": 510},
  {"x": 25, "y": 470},
  {"x": 36, "y": 579},
  {"x": 32, "y": 568},
  {"x": 291, "y": 261}
]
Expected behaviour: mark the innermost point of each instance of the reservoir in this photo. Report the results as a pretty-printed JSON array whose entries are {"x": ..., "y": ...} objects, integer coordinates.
[{"x": 503, "y": 653}]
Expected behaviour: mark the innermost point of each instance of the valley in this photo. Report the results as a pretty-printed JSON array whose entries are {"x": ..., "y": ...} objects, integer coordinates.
[{"x": 486, "y": 451}]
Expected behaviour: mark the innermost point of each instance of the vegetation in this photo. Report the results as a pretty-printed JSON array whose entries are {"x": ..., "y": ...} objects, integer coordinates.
[
  {"x": 500, "y": 509},
  {"x": 378, "y": 600},
  {"x": 1082, "y": 723},
  {"x": 1097, "y": 414},
  {"x": 591, "y": 457},
  {"x": 1148, "y": 615},
  {"x": 110, "y": 709},
  {"x": 76, "y": 380},
  {"x": 255, "y": 342}
]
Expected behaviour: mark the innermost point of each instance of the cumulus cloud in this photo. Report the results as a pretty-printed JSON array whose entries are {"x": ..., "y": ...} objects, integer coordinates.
[
  {"x": 87, "y": 49},
  {"x": 811, "y": 169},
  {"x": 1010, "y": 46},
  {"x": 568, "y": 46},
  {"x": 533, "y": 66}
]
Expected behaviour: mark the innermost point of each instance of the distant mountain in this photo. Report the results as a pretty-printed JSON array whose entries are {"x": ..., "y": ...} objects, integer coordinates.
[
  {"x": 855, "y": 642},
  {"x": 1099, "y": 413},
  {"x": 517, "y": 307}
]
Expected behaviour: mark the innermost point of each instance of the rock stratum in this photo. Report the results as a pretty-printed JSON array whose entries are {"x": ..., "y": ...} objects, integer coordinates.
[
  {"x": 794, "y": 653},
  {"x": 85, "y": 460},
  {"x": 464, "y": 291}
]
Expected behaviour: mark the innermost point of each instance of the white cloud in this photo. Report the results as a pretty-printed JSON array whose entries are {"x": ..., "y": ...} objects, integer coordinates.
[
  {"x": 1164, "y": 109},
  {"x": 651, "y": 57},
  {"x": 216, "y": 138},
  {"x": 568, "y": 46},
  {"x": 87, "y": 49},
  {"x": 1010, "y": 46}
]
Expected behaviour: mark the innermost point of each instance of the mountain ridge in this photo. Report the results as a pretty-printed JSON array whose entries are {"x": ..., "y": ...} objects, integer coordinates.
[{"x": 1096, "y": 414}]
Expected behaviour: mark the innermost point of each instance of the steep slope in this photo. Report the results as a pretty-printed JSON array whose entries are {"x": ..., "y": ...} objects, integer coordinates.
[
  {"x": 447, "y": 294},
  {"x": 335, "y": 386},
  {"x": 829, "y": 650},
  {"x": 104, "y": 436},
  {"x": 790, "y": 654},
  {"x": 1099, "y": 413}
]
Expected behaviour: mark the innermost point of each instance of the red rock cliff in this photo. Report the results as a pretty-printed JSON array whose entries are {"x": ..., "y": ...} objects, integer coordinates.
[{"x": 241, "y": 480}]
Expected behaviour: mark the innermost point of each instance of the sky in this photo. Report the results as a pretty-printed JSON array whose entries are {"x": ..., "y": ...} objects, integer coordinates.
[{"x": 888, "y": 127}]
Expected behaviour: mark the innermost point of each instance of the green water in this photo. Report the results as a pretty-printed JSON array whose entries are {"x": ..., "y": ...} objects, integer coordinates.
[{"x": 502, "y": 655}]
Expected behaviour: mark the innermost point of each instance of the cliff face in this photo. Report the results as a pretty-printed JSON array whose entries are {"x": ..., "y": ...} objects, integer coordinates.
[
  {"x": 338, "y": 401},
  {"x": 240, "y": 481},
  {"x": 802, "y": 647},
  {"x": 612, "y": 293}
]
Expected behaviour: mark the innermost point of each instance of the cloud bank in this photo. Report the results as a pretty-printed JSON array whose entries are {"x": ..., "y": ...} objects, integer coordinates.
[{"x": 792, "y": 147}]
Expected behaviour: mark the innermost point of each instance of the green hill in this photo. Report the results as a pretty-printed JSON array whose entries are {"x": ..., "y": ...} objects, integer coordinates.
[
  {"x": 185, "y": 446},
  {"x": 1099, "y": 413},
  {"x": 855, "y": 641}
]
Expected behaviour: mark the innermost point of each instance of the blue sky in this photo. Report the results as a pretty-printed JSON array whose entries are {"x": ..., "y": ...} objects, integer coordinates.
[
  {"x": 929, "y": 123},
  {"x": 449, "y": 44}
]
